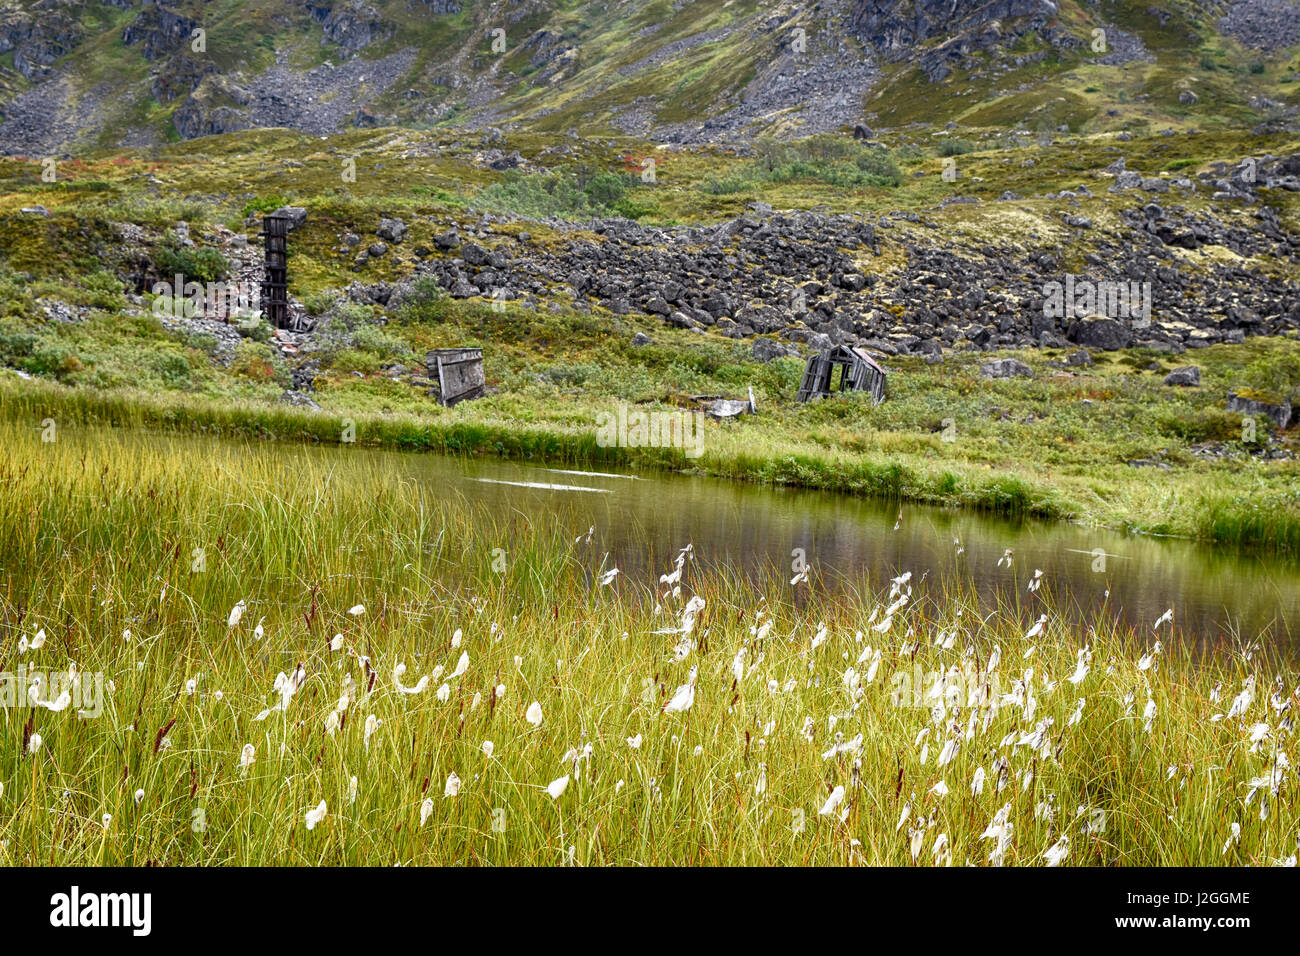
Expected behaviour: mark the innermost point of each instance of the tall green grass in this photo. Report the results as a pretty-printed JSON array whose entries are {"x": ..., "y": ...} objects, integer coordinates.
[{"x": 101, "y": 535}]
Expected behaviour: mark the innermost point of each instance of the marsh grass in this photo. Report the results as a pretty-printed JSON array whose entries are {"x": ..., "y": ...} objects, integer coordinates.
[
  {"x": 98, "y": 538},
  {"x": 1049, "y": 460}
]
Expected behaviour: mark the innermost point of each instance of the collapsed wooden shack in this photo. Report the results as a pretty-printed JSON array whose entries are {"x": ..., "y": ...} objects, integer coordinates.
[
  {"x": 858, "y": 372},
  {"x": 459, "y": 373}
]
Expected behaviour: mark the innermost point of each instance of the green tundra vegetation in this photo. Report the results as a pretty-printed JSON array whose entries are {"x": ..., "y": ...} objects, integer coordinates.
[
  {"x": 283, "y": 659},
  {"x": 1057, "y": 445},
  {"x": 233, "y": 651}
]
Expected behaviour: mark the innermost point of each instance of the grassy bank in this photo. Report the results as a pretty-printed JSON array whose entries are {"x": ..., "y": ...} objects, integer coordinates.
[
  {"x": 1059, "y": 445},
  {"x": 130, "y": 564}
]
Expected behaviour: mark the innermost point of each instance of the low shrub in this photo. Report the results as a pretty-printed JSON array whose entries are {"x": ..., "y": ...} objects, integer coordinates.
[{"x": 171, "y": 258}]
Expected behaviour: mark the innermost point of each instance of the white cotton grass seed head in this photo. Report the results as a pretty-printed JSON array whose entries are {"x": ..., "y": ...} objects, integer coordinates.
[
  {"x": 357, "y": 610},
  {"x": 534, "y": 714},
  {"x": 832, "y": 802},
  {"x": 488, "y": 747},
  {"x": 316, "y": 815},
  {"x": 426, "y": 811},
  {"x": 247, "y": 756},
  {"x": 452, "y": 788},
  {"x": 557, "y": 787},
  {"x": 139, "y": 796}
]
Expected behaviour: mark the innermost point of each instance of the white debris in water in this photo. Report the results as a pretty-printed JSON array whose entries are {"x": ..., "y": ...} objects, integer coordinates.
[
  {"x": 543, "y": 485},
  {"x": 594, "y": 474}
]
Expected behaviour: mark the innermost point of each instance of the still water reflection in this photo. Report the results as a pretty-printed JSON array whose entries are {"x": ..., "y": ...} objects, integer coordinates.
[{"x": 643, "y": 520}]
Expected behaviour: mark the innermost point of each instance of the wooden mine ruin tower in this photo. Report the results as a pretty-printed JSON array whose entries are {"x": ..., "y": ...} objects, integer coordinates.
[{"x": 275, "y": 279}]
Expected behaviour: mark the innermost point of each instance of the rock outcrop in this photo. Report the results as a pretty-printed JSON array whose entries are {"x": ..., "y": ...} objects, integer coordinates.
[
  {"x": 158, "y": 31},
  {"x": 351, "y": 25}
]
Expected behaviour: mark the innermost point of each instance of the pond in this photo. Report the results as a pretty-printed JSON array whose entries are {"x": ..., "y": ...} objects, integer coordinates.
[{"x": 642, "y": 520}]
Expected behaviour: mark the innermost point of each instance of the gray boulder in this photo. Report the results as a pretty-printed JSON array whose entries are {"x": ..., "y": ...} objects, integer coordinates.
[
  {"x": 1079, "y": 359},
  {"x": 474, "y": 254},
  {"x": 1100, "y": 333},
  {"x": 1187, "y": 375},
  {"x": 394, "y": 230},
  {"x": 296, "y": 215},
  {"x": 1280, "y": 414},
  {"x": 299, "y": 400},
  {"x": 765, "y": 350},
  {"x": 1006, "y": 368}
]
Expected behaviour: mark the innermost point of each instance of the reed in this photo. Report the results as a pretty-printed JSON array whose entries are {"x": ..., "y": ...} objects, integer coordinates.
[{"x": 131, "y": 552}]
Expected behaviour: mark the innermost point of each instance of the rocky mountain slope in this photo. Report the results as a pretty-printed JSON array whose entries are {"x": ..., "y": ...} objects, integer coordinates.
[
  {"x": 922, "y": 267},
  {"x": 110, "y": 73},
  {"x": 816, "y": 279},
  {"x": 910, "y": 177}
]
